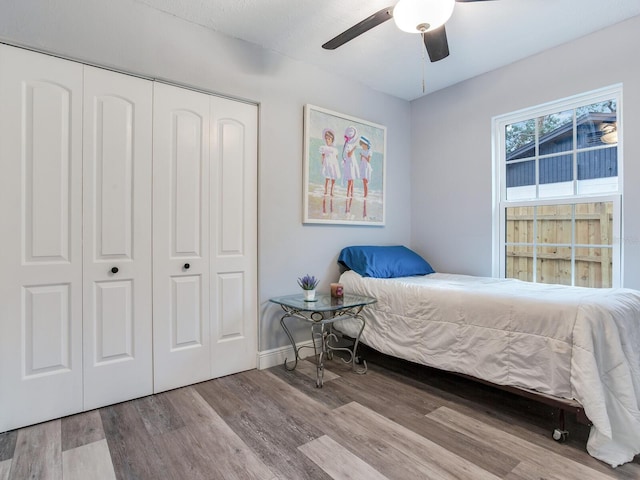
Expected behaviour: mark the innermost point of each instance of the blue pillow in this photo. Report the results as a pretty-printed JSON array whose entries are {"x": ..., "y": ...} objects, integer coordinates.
[{"x": 383, "y": 261}]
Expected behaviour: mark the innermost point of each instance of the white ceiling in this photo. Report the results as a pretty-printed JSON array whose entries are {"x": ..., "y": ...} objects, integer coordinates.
[{"x": 482, "y": 36}]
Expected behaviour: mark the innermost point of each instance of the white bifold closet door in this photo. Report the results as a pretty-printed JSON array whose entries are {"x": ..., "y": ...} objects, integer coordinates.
[
  {"x": 118, "y": 359},
  {"x": 76, "y": 151},
  {"x": 204, "y": 237},
  {"x": 180, "y": 237},
  {"x": 41, "y": 254},
  {"x": 234, "y": 236}
]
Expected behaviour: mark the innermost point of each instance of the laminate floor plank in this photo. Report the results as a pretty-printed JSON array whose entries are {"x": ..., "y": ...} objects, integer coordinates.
[
  {"x": 309, "y": 369},
  {"x": 327, "y": 394},
  {"x": 407, "y": 406},
  {"x": 81, "y": 429},
  {"x": 8, "y": 444},
  {"x": 158, "y": 414},
  {"x": 434, "y": 460},
  {"x": 89, "y": 461},
  {"x": 5, "y": 469},
  {"x": 337, "y": 461},
  {"x": 536, "y": 456},
  {"x": 297, "y": 405},
  {"x": 207, "y": 447},
  {"x": 267, "y": 429},
  {"x": 132, "y": 449},
  {"x": 260, "y": 402},
  {"x": 375, "y": 388},
  {"x": 377, "y": 453},
  {"x": 528, "y": 471},
  {"x": 226, "y": 401},
  {"x": 38, "y": 453},
  {"x": 515, "y": 475}
]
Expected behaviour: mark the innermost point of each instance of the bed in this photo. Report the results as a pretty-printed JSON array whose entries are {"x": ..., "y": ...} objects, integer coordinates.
[{"x": 571, "y": 343}]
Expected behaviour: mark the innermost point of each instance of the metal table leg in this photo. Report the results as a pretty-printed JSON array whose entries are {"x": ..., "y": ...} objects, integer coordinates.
[{"x": 293, "y": 343}]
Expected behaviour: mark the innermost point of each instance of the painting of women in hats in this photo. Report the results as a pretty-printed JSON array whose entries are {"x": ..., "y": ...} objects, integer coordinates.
[
  {"x": 365, "y": 164},
  {"x": 330, "y": 167},
  {"x": 349, "y": 163},
  {"x": 339, "y": 150}
]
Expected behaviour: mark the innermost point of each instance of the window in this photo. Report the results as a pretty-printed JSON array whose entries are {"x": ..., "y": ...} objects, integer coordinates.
[{"x": 557, "y": 214}]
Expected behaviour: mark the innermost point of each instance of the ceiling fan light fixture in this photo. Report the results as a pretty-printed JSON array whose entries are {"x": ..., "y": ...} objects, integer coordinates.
[
  {"x": 609, "y": 132},
  {"x": 413, "y": 15}
]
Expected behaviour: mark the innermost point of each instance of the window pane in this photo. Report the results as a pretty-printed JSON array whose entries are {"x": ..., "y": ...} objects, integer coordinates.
[
  {"x": 594, "y": 267},
  {"x": 521, "y": 173},
  {"x": 601, "y": 163},
  {"x": 519, "y": 227},
  {"x": 556, "y": 132},
  {"x": 519, "y": 262},
  {"x": 554, "y": 224},
  {"x": 594, "y": 223},
  {"x": 597, "y": 124},
  {"x": 556, "y": 169},
  {"x": 520, "y": 140},
  {"x": 598, "y": 171},
  {"x": 556, "y": 176},
  {"x": 554, "y": 265}
]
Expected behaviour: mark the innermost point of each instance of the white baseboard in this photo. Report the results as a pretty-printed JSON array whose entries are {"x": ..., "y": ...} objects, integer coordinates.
[{"x": 276, "y": 356}]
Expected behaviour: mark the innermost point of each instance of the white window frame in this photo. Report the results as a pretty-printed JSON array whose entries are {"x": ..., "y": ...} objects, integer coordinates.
[{"x": 500, "y": 202}]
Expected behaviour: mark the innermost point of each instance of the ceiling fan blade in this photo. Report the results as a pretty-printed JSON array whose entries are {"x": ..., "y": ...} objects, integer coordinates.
[
  {"x": 359, "y": 28},
  {"x": 436, "y": 43}
]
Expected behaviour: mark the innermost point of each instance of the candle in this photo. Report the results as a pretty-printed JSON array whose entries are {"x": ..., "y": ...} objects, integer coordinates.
[{"x": 337, "y": 290}]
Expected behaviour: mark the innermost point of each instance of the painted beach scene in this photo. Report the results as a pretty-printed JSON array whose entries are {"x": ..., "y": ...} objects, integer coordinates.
[{"x": 344, "y": 169}]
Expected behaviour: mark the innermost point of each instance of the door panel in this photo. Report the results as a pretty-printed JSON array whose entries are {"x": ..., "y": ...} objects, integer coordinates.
[
  {"x": 180, "y": 237},
  {"x": 231, "y": 192},
  {"x": 234, "y": 340},
  {"x": 114, "y": 322},
  {"x": 41, "y": 255},
  {"x": 47, "y": 164},
  {"x": 47, "y": 329},
  {"x": 186, "y": 164},
  {"x": 113, "y": 138},
  {"x": 117, "y": 236},
  {"x": 230, "y": 303},
  {"x": 187, "y": 321}
]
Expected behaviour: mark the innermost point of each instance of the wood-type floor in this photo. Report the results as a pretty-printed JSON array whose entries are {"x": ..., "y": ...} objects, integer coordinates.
[{"x": 397, "y": 421}]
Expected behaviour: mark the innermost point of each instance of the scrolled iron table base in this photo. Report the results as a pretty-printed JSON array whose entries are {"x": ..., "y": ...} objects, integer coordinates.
[{"x": 325, "y": 339}]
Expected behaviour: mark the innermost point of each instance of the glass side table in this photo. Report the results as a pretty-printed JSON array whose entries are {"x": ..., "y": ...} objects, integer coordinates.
[{"x": 321, "y": 314}]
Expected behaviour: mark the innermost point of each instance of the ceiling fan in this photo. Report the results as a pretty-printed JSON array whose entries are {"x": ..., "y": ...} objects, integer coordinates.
[{"x": 426, "y": 17}]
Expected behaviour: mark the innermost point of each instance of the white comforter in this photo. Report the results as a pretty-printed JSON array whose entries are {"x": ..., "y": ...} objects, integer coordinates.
[{"x": 570, "y": 342}]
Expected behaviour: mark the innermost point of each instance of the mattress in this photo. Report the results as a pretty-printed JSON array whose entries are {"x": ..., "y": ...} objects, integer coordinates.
[{"x": 569, "y": 342}]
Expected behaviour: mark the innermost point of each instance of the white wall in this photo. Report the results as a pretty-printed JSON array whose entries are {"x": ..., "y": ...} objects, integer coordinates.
[
  {"x": 451, "y": 168},
  {"x": 129, "y": 36}
]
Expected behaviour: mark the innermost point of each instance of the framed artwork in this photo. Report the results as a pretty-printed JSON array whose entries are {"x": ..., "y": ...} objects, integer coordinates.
[{"x": 344, "y": 169}]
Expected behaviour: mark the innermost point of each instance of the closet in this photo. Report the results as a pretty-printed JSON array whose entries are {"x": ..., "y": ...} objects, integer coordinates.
[{"x": 129, "y": 240}]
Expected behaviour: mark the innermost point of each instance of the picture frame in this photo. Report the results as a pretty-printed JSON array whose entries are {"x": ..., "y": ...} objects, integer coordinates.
[{"x": 344, "y": 169}]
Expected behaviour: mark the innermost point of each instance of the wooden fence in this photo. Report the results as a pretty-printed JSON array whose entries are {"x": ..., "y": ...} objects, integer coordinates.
[{"x": 593, "y": 226}]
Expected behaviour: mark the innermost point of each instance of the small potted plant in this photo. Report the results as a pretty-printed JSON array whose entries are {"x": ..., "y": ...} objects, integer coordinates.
[{"x": 308, "y": 283}]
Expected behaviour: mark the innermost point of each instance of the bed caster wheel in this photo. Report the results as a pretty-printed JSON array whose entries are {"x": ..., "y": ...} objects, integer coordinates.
[{"x": 560, "y": 435}]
